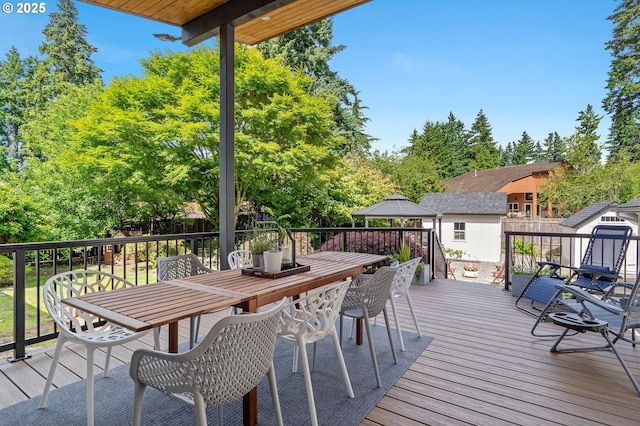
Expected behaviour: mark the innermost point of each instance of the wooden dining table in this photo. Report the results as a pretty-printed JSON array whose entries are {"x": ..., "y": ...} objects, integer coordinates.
[{"x": 149, "y": 306}]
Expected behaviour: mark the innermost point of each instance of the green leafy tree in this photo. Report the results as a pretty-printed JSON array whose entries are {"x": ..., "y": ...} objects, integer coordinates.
[
  {"x": 309, "y": 50},
  {"x": 357, "y": 186},
  {"x": 417, "y": 175},
  {"x": 153, "y": 141},
  {"x": 623, "y": 84},
  {"x": 21, "y": 218}
]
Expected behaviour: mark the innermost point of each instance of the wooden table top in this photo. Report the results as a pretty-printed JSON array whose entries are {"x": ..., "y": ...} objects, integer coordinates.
[{"x": 149, "y": 306}]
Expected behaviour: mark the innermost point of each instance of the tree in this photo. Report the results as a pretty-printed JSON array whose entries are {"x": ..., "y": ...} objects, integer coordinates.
[
  {"x": 554, "y": 147},
  {"x": 583, "y": 153},
  {"x": 523, "y": 150},
  {"x": 146, "y": 145},
  {"x": 417, "y": 175},
  {"x": 21, "y": 217},
  {"x": 16, "y": 99},
  {"x": 357, "y": 186},
  {"x": 623, "y": 84},
  {"x": 444, "y": 144},
  {"x": 483, "y": 151},
  {"x": 309, "y": 50},
  {"x": 67, "y": 54}
]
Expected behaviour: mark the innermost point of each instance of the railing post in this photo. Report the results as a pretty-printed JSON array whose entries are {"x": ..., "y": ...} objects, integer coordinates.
[
  {"x": 19, "y": 306},
  {"x": 507, "y": 260}
]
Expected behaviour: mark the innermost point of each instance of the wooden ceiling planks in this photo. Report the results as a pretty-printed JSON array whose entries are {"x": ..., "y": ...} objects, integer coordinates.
[{"x": 254, "y": 29}]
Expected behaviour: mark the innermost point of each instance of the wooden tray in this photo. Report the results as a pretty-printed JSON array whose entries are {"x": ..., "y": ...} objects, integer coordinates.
[{"x": 286, "y": 271}]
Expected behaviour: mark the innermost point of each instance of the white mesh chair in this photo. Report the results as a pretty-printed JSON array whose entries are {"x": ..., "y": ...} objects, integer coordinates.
[
  {"x": 81, "y": 327},
  {"x": 230, "y": 361},
  {"x": 310, "y": 319},
  {"x": 400, "y": 287},
  {"x": 239, "y": 259},
  {"x": 365, "y": 301},
  {"x": 176, "y": 267}
]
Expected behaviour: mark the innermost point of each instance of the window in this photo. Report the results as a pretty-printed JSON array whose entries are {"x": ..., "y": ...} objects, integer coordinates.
[
  {"x": 610, "y": 219},
  {"x": 459, "y": 230},
  {"x": 513, "y": 207},
  {"x": 528, "y": 196}
]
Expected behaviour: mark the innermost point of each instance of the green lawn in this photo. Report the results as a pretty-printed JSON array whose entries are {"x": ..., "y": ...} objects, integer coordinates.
[{"x": 31, "y": 300}]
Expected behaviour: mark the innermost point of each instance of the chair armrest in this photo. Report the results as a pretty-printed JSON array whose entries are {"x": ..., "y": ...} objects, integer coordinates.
[
  {"x": 596, "y": 274},
  {"x": 583, "y": 296},
  {"x": 160, "y": 366},
  {"x": 554, "y": 265},
  {"x": 360, "y": 280}
]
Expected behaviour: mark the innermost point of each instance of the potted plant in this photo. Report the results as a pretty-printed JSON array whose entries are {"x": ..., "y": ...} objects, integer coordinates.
[
  {"x": 259, "y": 243},
  {"x": 283, "y": 236},
  {"x": 524, "y": 266}
]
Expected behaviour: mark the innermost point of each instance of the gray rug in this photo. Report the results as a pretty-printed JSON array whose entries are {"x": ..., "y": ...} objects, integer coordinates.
[{"x": 114, "y": 395}]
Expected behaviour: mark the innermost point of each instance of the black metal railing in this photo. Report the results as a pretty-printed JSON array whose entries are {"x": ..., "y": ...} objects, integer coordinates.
[
  {"x": 523, "y": 249},
  {"x": 27, "y": 322}
]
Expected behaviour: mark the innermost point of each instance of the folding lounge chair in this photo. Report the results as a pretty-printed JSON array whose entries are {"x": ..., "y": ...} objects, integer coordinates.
[
  {"x": 612, "y": 318},
  {"x": 598, "y": 272}
]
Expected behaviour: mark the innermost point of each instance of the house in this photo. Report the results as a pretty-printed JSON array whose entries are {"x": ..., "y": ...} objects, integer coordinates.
[
  {"x": 470, "y": 221},
  {"x": 521, "y": 184},
  {"x": 605, "y": 213}
]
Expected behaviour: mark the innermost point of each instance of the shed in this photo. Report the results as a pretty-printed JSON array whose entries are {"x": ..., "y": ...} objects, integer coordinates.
[
  {"x": 395, "y": 206},
  {"x": 470, "y": 222}
]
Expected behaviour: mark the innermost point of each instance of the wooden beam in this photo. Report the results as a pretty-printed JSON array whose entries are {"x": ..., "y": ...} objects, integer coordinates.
[{"x": 232, "y": 13}]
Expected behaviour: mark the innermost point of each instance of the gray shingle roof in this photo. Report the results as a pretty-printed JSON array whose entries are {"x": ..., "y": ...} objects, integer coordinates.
[
  {"x": 587, "y": 214},
  {"x": 484, "y": 203},
  {"x": 396, "y": 205},
  {"x": 493, "y": 179}
]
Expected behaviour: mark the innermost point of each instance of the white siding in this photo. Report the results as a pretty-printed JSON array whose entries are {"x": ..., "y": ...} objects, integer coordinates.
[{"x": 482, "y": 239}]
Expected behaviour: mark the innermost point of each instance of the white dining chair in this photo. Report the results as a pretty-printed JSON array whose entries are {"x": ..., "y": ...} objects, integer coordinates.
[
  {"x": 174, "y": 268},
  {"x": 239, "y": 259},
  {"x": 309, "y": 319},
  {"x": 399, "y": 288},
  {"x": 366, "y": 299},
  {"x": 230, "y": 361},
  {"x": 82, "y": 327}
]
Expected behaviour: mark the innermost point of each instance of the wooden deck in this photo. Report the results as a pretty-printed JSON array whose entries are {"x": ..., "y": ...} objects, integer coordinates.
[{"x": 483, "y": 368}]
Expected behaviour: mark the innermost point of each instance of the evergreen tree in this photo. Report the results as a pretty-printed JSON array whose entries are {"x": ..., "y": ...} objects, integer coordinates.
[
  {"x": 444, "y": 144},
  {"x": 309, "y": 49},
  {"x": 583, "y": 153},
  {"x": 554, "y": 149},
  {"x": 623, "y": 99},
  {"x": 67, "y": 54},
  {"x": 523, "y": 150},
  {"x": 483, "y": 151},
  {"x": 506, "y": 158},
  {"x": 16, "y": 88},
  {"x": 538, "y": 153}
]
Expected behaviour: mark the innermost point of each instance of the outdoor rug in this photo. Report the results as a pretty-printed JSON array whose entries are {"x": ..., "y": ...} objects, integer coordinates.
[{"x": 114, "y": 395}]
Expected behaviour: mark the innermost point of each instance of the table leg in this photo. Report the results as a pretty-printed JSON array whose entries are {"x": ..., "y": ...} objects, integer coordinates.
[
  {"x": 250, "y": 400},
  {"x": 173, "y": 337},
  {"x": 359, "y": 323}
]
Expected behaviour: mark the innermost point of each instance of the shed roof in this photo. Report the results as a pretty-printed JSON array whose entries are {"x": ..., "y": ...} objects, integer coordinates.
[
  {"x": 480, "y": 203},
  {"x": 396, "y": 205},
  {"x": 588, "y": 213},
  {"x": 494, "y": 179}
]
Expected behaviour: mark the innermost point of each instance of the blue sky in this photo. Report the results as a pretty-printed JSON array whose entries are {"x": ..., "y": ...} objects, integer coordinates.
[{"x": 530, "y": 65}]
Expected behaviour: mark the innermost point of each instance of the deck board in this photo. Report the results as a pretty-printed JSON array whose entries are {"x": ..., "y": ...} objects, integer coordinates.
[{"x": 484, "y": 367}]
